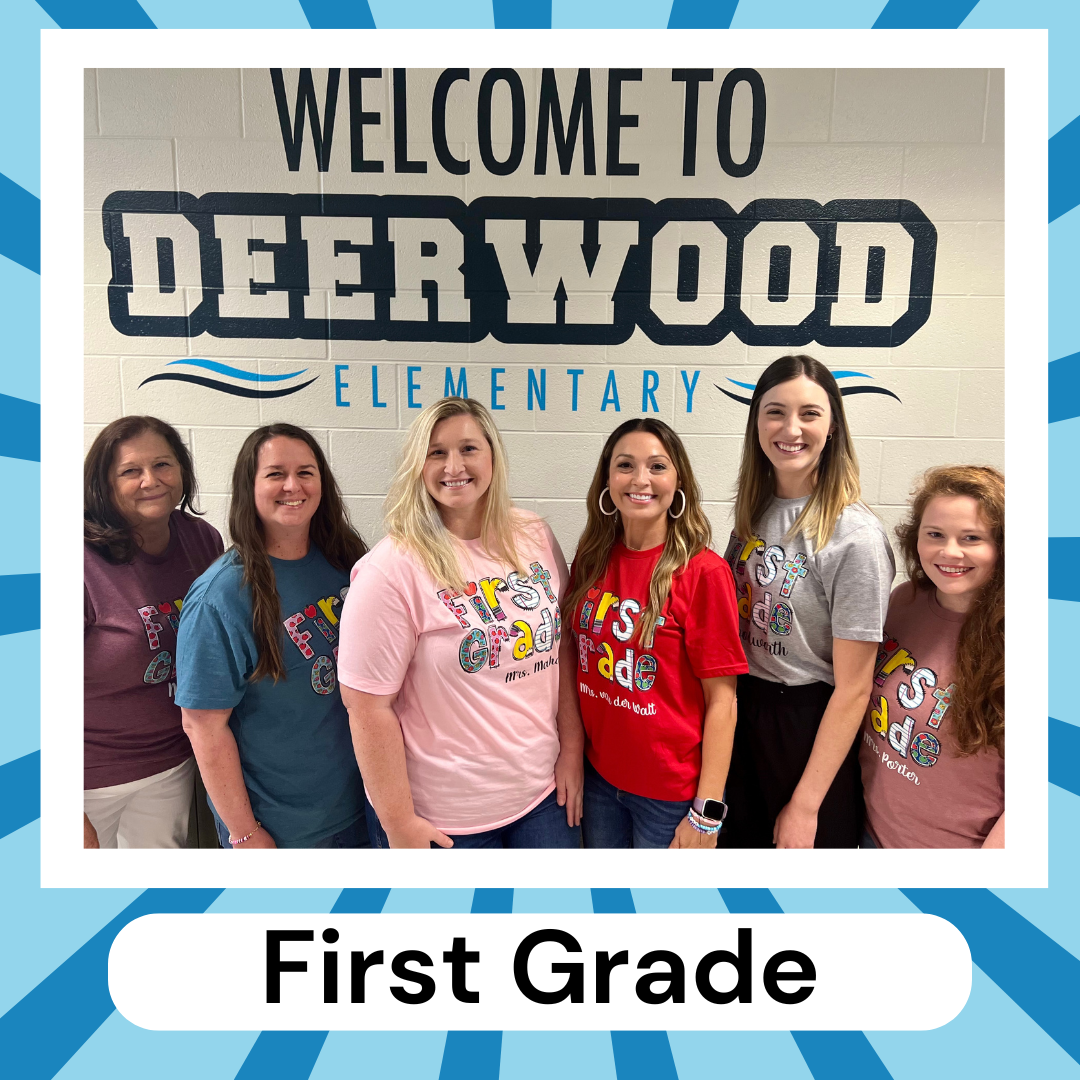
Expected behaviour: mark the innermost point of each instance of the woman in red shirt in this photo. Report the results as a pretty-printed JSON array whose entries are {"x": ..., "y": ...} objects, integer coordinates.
[{"x": 653, "y": 612}]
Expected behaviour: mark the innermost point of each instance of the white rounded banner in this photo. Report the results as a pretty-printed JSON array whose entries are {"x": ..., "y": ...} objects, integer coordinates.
[{"x": 539, "y": 972}]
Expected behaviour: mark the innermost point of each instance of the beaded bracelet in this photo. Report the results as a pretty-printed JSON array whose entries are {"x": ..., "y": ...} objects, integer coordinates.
[
  {"x": 237, "y": 843},
  {"x": 708, "y": 830}
]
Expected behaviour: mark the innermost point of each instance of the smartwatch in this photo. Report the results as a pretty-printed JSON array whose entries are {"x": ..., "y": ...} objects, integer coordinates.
[{"x": 714, "y": 809}]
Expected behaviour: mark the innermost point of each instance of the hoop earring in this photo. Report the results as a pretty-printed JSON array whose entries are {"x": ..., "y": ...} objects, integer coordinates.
[
  {"x": 607, "y": 513},
  {"x": 828, "y": 437},
  {"x": 675, "y": 517}
]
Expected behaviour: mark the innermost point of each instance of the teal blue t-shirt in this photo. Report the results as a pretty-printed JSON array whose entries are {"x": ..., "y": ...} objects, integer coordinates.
[{"x": 293, "y": 735}]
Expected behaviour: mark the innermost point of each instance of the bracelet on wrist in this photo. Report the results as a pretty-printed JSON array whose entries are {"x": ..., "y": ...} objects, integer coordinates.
[
  {"x": 244, "y": 839},
  {"x": 702, "y": 825}
]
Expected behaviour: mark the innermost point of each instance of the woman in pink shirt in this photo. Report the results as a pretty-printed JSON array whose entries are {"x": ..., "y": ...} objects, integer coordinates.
[
  {"x": 932, "y": 748},
  {"x": 451, "y": 652}
]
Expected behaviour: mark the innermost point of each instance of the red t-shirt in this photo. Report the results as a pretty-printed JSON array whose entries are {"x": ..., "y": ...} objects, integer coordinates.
[{"x": 642, "y": 705}]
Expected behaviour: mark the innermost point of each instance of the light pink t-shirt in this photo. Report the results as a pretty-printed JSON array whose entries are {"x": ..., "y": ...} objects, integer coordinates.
[{"x": 476, "y": 675}]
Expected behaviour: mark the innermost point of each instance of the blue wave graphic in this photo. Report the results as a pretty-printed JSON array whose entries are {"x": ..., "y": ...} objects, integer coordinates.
[
  {"x": 236, "y": 373},
  {"x": 835, "y": 375},
  {"x": 226, "y": 388}
]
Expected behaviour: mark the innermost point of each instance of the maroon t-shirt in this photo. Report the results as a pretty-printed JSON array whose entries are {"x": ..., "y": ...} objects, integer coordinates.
[{"x": 131, "y": 612}]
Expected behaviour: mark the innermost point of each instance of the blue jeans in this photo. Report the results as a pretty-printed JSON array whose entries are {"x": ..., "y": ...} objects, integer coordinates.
[
  {"x": 617, "y": 819},
  {"x": 353, "y": 836},
  {"x": 544, "y": 826}
]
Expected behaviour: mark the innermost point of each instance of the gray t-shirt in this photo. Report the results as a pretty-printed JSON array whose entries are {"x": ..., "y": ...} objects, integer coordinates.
[{"x": 793, "y": 601}]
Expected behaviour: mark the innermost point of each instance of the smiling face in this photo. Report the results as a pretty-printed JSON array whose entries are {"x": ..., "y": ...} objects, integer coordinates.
[
  {"x": 794, "y": 423},
  {"x": 957, "y": 550},
  {"x": 288, "y": 487},
  {"x": 642, "y": 482},
  {"x": 147, "y": 484},
  {"x": 457, "y": 470}
]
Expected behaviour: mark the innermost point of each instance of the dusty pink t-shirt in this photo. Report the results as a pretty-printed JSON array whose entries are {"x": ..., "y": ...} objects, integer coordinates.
[
  {"x": 476, "y": 675},
  {"x": 919, "y": 793}
]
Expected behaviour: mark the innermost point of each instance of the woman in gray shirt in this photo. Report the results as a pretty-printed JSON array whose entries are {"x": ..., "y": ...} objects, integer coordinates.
[{"x": 813, "y": 570}]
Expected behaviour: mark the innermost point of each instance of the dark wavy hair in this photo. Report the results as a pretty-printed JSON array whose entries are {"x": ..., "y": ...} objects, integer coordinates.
[
  {"x": 978, "y": 711},
  {"x": 105, "y": 529},
  {"x": 330, "y": 531}
]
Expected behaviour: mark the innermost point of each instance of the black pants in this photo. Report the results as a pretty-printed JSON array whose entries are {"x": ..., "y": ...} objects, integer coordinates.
[{"x": 773, "y": 738}]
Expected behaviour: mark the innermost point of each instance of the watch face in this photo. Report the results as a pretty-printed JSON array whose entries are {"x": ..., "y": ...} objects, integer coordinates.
[{"x": 714, "y": 809}]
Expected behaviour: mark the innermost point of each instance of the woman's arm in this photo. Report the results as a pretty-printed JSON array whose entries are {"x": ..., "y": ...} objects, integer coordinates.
[
  {"x": 570, "y": 766},
  {"x": 380, "y": 753},
  {"x": 717, "y": 736},
  {"x": 219, "y": 763},
  {"x": 853, "y": 671},
  {"x": 996, "y": 836},
  {"x": 89, "y": 834}
]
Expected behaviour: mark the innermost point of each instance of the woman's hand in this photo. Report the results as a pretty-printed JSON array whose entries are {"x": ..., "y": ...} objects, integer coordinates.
[
  {"x": 687, "y": 836},
  {"x": 89, "y": 834},
  {"x": 796, "y": 827},
  {"x": 415, "y": 832},
  {"x": 570, "y": 783}
]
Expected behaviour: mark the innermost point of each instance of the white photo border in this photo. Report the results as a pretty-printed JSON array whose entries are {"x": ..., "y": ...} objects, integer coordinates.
[{"x": 1023, "y": 56}]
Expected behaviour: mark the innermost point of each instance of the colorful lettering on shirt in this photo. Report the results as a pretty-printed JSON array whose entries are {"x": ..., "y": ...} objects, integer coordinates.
[
  {"x": 585, "y": 645},
  {"x": 748, "y": 549},
  {"x": 944, "y": 700},
  {"x": 449, "y": 598},
  {"x": 759, "y": 613},
  {"x": 300, "y": 638},
  {"x": 606, "y": 664},
  {"x": 160, "y": 669},
  {"x": 523, "y": 595},
  {"x": 795, "y": 569},
  {"x": 780, "y": 619},
  {"x": 324, "y": 629},
  {"x": 900, "y": 658},
  {"x": 473, "y": 651},
  {"x": 767, "y": 568},
  {"x": 879, "y": 717},
  {"x": 744, "y": 601},
  {"x": 608, "y": 601},
  {"x": 624, "y": 628},
  {"x": 523, "y": 648},
  {"x": 544, "y": 638},
  {"x": 323, "y": 678},
  {"x": 327, "y": 604},
  {"x": 587, "y": 607},
  {"x": 496, "y": 635},
  {"x": 900, "y": 735},
  {"x": 911, "y": 697},
  {"x": 489, "y": 586},
  {"x": 925, "y": 749},
  {"x": 542, "y": 576},
  {"x": 153, "y": 629},
  {"x": 645, "y": 672}
]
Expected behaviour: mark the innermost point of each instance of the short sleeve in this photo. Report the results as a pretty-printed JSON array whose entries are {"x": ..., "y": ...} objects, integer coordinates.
[
  {"x": 378, "y": 633},
  {"x": 712, "y": 624},
  {"x": 214, "y": 658},
  {"x": 857, "y": 575}
]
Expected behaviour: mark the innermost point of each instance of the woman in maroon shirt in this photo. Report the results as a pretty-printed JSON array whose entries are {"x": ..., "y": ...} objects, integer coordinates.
[{"x": 141, "y": 555}]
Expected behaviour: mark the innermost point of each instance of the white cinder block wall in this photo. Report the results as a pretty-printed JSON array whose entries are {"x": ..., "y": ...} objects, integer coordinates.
[{"x": 932, "y": 137}]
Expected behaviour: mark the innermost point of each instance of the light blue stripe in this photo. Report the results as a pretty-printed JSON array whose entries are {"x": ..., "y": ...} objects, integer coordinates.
[
  {"x": 1062, "y": 17},
  {"x": 763, "y": 1055},
  {"x": 547, "y": 1055},
  {"x": 20, "y": 545},
  {"x": 21, "y": 292},
  {"x": 98, "y": 14},
  {"x": 679, "y": 901},
  {"x": 923, "y": 14},
  {"x": 235, "y": 372},
  {"x": 20, "y": 660},
  {"x": 610, "y": 14},
  {"x": 20, "y": 792},
  {"x": 20, "y": 81},
  {"x": 527, "y": 901},
  {"x": 121, "y": 1051},
  {"x": 1064, "y": 509},
  {"x": 798, "y": 14},
  {"x": 52, "y": 923},
  {"x": 992, "y": 1038},
  {"x": 272, "y": 901},
  {"x": 1053, "y": 910},
  {"x": 20, "y": 224},
  {"x": 405, "y": 1055},
  {"x": 824, "y": 901},
  {"x": 432, "y": 14},
  {"x": 701, "y": 14},
  {"x": 1064, "y": 338},
  {"x": 227, "y": 14},
  {"x": 851, "y": 375},
  {"x": 1063, "y": 615},
  {"x": 338, "y": 14},
  {"x": 282, "y": 1055},
  {"x": 403, "y": 901}
]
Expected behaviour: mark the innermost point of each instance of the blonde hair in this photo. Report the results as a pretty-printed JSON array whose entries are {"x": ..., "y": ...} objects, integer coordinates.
[
  {"x": 412, "y": 515},
  {"x": 687, "y": 535},
  {"x": 836, "y": 482}
]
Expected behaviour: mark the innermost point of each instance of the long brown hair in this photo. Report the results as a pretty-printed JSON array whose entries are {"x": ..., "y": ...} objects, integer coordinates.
[
  {"x": 105, "y": 529},
  {"x": 978, "y": 708},
  {"x": 330, "y": 531},
  {"x": 836, "y": 483},
  {"x": 687, "y": 535}
]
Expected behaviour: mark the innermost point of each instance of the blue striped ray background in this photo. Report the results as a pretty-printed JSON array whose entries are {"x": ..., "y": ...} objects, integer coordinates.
[{"x": 56, "y": 1017}]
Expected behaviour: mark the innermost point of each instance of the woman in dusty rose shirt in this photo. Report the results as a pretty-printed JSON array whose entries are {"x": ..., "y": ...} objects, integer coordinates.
[
  {"x": 933, "y": 740},
  {"x": 451, "y": 652},
  {"x": 141, "y": 556}
]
